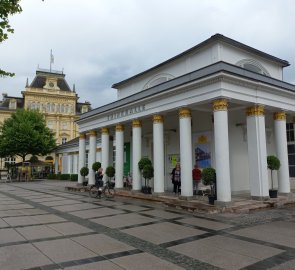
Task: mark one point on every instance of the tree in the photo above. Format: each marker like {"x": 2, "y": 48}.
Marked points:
{"x": 25, "y": 133}
{"x": 7, "y": 7}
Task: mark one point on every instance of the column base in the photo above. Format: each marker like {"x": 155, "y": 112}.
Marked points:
{"x": 286, "y": 194}
{"x": 120, "y": 188}
{"x": 185, "y": 198}
{"x": 135, "y": 191}
{"x": 223, "y": 204}
{"x": 157, "y": 194}
{"x": 260, "y": 198}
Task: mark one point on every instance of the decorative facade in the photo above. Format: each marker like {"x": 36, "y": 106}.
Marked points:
{"x": 220, "y": 104}
{"x": 49, "y": 93}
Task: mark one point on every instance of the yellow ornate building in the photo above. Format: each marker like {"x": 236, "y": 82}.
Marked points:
{"x": 49, "y": 93}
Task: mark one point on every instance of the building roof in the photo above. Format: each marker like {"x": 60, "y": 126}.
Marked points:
{"x": 189, "y": 77}
{"x": 212, "y": 39}
{"x": 41, "y": 75}
{"x": 4, "y": 104}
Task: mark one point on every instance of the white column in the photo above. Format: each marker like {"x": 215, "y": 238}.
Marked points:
{"x": 82, "y": 156}
{"x": 158, "y": 146}
{"x": 136, "y": 154}
{"x": 221, "y": 151}
{"x": 257, "y": 152}
{"x": 91, "y": 157}
{"x": 56, "y": 164}
{"x": 69, "y": 164}
{"x": 186, "y": 161}
{"x": 105, "y": 144}
{"x": 119, "y": 156}
{"x": 282, "y": 153}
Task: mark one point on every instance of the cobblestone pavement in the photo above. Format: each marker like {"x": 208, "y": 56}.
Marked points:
{"x": 44, "y": 227}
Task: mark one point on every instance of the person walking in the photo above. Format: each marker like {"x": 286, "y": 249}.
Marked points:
{"x": 176, "y": 178}
{"x": 197, "y": 175}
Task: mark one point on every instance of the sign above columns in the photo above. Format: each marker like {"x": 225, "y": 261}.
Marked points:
{"x": 126, "y": 112}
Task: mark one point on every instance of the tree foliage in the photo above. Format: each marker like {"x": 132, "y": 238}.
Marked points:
{"x": 7, "y": 8}
{"x": 110, "y": 171}
{"x": 24, "y": 133}
{"x": 148, "y": 171}
{"x": 84, "y": 171}
{"x": 143, "y": 162}
{"x": 274, "y": 164}
{"x": 96, "y": 166}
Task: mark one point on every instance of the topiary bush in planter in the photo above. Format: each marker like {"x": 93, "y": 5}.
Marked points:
{"x": 147, "y": 173}
{"x": 96, "y": 166}
{"x": 141, "y": 164}
{"x": 110, "y": 172}
{"x": 274, "y": 164}
{"x": 209, "y": 179}
{"x": 84, "y": 172}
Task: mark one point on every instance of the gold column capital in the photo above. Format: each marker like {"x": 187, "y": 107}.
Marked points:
{"x": 82, "y": 135}
{"x": 104, "y": 131}
{"x": 119, "y": 127}
{"x": 92, "y": 133}
{"x": 279, "y": 116}
{"x": 158, "y": 118}
{"x": 256, "y": 110}
{"x": 220, "y": 105}
{"x": 136, "y": 123}
{"x": 184, "y": 113}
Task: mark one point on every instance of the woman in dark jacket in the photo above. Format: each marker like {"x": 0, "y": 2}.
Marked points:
{"x": 176, "y": 178}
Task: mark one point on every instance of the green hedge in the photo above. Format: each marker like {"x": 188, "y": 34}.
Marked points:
{"x": 74, "y": 177}
{"x": 65, "y": 176}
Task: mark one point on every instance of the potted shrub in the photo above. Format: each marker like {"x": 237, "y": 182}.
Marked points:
{"x": 273, "y": 163}
{"x": 84, "y": 172}
{"x": 96, "y": 166}
{"x": 147, "y": 173}
{"x": 110, "y": 172}
{"x": 141, "y": 164}
{"x": 209, "y": 179}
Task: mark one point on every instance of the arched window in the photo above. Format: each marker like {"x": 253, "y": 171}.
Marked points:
{"x": 160, "y": 78}
{"x": 253, "y": 65}
{"x": 53, "y": 107}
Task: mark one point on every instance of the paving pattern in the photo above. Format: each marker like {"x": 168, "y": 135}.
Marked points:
{"x": 44, "y": 227}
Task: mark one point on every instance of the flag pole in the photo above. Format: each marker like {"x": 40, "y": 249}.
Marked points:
{"x": 50, "y": 59}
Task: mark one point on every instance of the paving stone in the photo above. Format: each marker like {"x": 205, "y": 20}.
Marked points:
{"x": 69, "y": 228}
{"x": 75, "y": 207}
{"x": 163, "y": 232}
{"x": 9, "y": 236}
{"x": 21, "y": 256}
{"x": 63, "y": 250}
{"x": 144, "y": 261}
{"x": 208, "y": 224}
{"x": 122, "y": 220}
{"x": 102, "y": 244}
{"x": 103, "y": 265}
{"x": 37, "y": 232}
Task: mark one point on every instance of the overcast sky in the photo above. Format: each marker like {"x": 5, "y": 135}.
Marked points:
{"x": 101, "y": 42}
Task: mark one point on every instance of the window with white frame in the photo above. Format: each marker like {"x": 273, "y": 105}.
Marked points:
{"x": 291, "y": 148}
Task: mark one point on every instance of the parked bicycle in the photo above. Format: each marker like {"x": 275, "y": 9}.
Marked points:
{"x": 100, "y": 191}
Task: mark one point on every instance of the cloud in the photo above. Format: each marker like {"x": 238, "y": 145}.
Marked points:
{"x": 99, "y": 43}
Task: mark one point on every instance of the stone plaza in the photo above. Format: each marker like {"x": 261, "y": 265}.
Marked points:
{"x": 45, "y": 227}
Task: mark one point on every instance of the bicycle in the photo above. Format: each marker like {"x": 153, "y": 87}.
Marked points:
{"x": 97, "y": 191}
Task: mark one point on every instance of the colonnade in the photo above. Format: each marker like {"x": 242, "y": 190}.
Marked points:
{"x": 256, "y": 151}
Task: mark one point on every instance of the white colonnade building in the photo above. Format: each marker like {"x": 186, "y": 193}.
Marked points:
{"x": 220, "y": 104}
